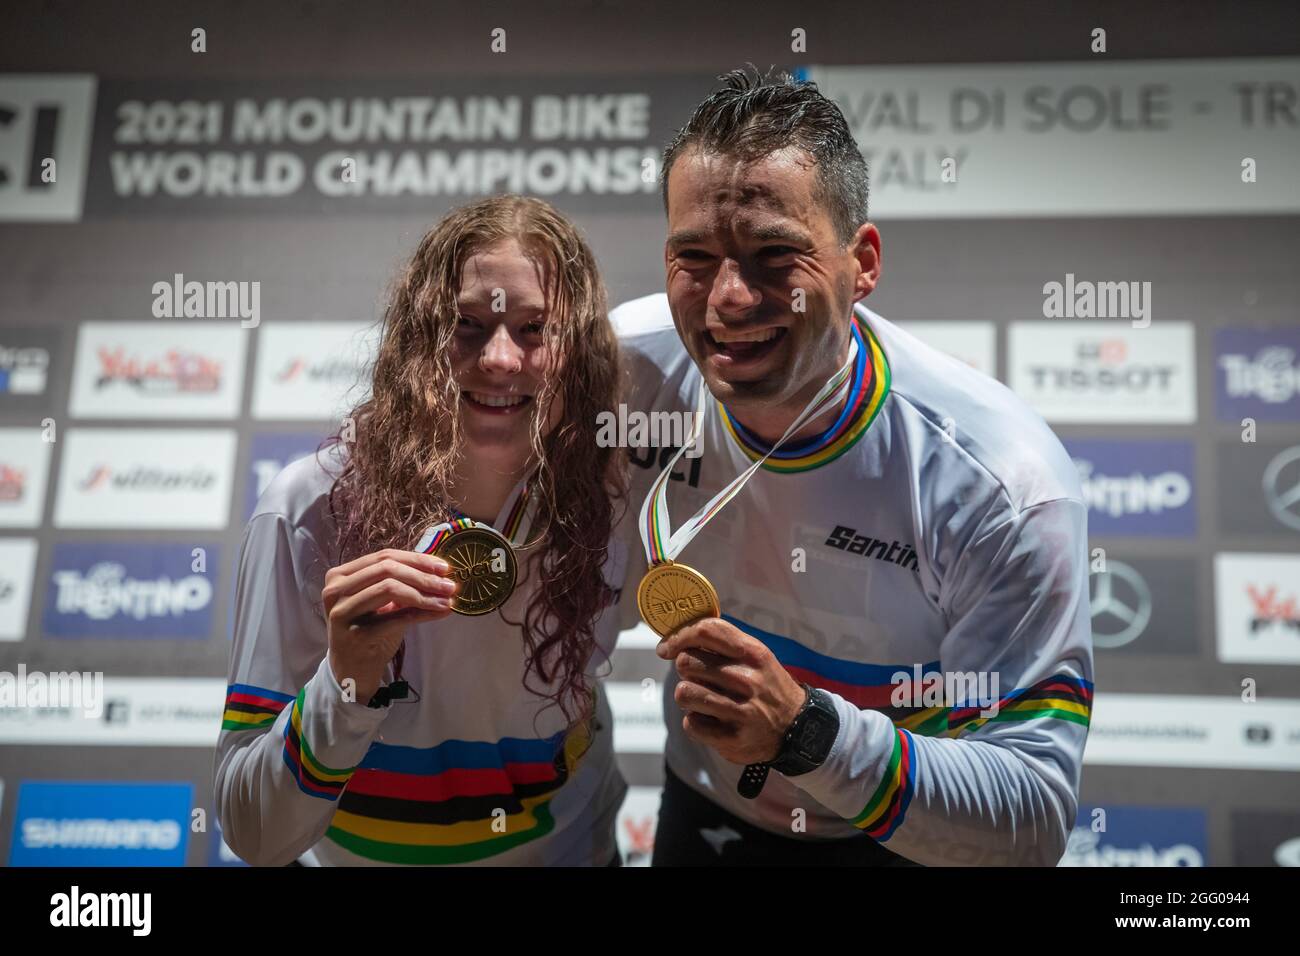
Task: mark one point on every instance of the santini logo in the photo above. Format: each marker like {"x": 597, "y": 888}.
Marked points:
{"x": 103, "y": 909}
{"x": 848, "y": 539}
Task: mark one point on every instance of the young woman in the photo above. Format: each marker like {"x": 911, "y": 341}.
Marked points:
{"x": 375, "y": 714}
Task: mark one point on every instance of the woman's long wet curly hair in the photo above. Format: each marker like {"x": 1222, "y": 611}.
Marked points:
{"x": 407, "y": 437}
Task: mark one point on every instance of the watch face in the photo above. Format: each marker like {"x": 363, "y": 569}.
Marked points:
{"x": 816, "y": 737}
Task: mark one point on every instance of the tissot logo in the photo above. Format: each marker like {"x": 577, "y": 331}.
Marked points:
{"x": 1108, "y": 372}
{"x": 894, "y": 552}
{"x": 1103, "y": 366}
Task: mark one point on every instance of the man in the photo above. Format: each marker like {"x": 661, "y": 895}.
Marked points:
{"x": 904, "y": 635}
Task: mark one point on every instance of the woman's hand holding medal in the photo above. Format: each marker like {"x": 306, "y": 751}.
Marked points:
{"x": 369, "y": 604}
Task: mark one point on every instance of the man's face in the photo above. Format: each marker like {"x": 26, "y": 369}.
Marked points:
{"x": 499, "y": 358}
{"x": 748, "y": 246}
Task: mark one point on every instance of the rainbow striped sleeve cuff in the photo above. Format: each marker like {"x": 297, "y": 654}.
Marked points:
{"x": 885, "y": 810}
{"x": 313, "y": 777}
{"x": 252, "y": 708}
{"x": 1059, "y": 696}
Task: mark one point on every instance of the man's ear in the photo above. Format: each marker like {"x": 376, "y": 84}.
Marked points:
{"x": 865, "y": 248}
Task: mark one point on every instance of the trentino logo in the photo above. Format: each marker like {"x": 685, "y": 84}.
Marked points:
{"x": 129, "y": 589}
{"x": 1136, "y": 487}
{"x": 1136, "y": 836}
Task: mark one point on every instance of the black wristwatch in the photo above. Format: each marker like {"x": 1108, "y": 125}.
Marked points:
{"x": 810, "y": 736}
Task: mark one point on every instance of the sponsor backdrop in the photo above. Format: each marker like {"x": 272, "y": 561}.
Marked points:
{"x": 189, "y": 303}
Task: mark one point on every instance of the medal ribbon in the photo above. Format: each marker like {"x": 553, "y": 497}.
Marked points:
{"x": 661, "y": 543}
{"x": 510, "y": 530}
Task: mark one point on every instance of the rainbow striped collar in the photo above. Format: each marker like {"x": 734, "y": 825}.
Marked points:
{"x": 867, "y": 391}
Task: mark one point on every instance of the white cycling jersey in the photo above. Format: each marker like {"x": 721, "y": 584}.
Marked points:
{"x": 477, "y": 770}
{"x": 925, "y": 561}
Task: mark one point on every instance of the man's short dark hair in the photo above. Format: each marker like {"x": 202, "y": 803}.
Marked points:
{"x": 754, "y": 115}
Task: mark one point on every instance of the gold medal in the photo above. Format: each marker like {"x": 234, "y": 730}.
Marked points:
{"x": 484, "y": 563}
{"x": 672, "y": 595}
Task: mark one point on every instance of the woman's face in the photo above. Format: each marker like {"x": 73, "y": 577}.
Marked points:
{"x": 499, "y": 355}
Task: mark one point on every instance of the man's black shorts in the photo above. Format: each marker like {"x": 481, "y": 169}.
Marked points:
{"x": 695, "y": 831}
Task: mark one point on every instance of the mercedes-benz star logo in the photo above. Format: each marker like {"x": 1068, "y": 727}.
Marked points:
{"x": 1121, "y": 605}
{"x": 1282, "y": 492}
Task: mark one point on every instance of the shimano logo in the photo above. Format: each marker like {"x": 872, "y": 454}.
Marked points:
{"x": 848, "y": 539}
{"x": 1085, "y": 849}
{"x": 1272, "y": 376}
{"x": 105, "y": 591}
{"x": 1119, "y": 495}
{"x": 89, "y": 833}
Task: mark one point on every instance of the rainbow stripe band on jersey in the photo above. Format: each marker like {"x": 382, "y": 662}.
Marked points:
{"x": 252, "y": 708}
{"x": 867, "y": 393}
{"x": 662, "y": 543}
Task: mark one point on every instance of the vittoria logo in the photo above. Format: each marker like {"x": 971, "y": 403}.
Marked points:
{"x": 143, "y": 478}
{"x": 334, "y": 371}
{"x": 175, "y": 370}
{"x": 848, "y": 539}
